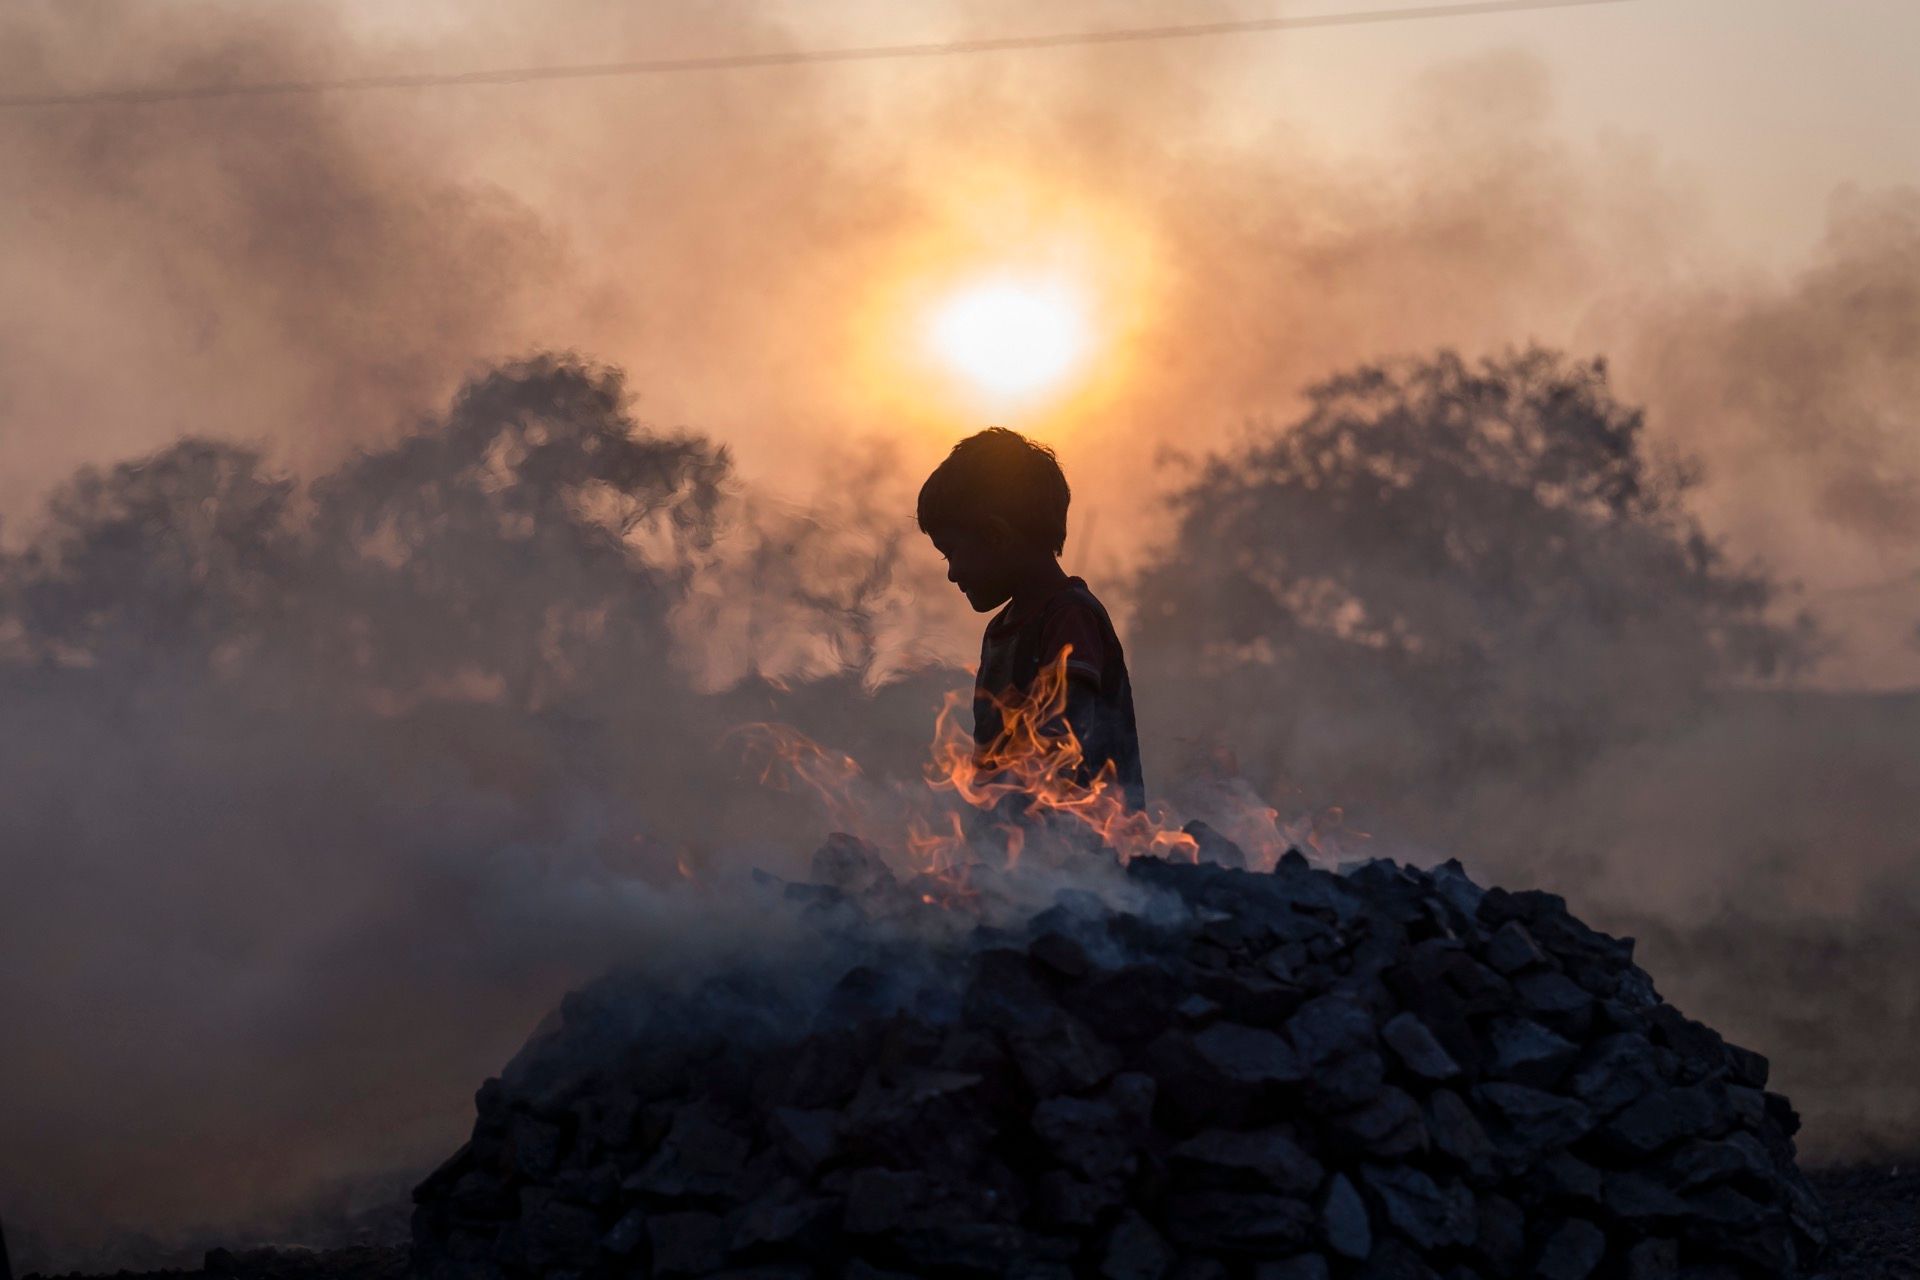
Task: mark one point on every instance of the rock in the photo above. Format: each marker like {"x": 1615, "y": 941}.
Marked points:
{"x": 1005, "y": 995}
{"x": 1335, "y": 1037}
{"x": 1062, "y": 1200}
{"x": 1302, "y": 1266}
{"x": 1532, "y": 1122}
{"x": 1527, "y": 1053}
{"x": 1430, "y": 1215}
{"x": 882, "y": 1200}
{"x": 556, "y": 1234}
{"x": 1702, "y": 1162}
{"x": 1451, "y": 881}
{"x": 1618, "y": 1070}
{"x": 1343, "y": 1220}
{"x": 1253, "y": 998}
{"x": 687, "y": 1244}
{"x": 1248, "y": 1055}
{"x": 626, "y": 1234}
{"x": 1653, "y": 1259}
{"x": 1199, "y": 1269}
{"x": 1564, "y": 1177}
{"x": 700, "y": 1156}
{"x": 1294, "y": 1076}
{"x": 1039, "y": 1269}
{"x": 859, "y": 1269}
{"x": 1396, "y": 1260}
{"x": 985, "y": 1249}
{"x": 1636, "y": 1198}
{"x": 918, "y": 1114}
{"x": 1481, "y": 990}
{"x": 1502, "y": 1236}
{"x": 1061, "y": 954}
{"x": 1190, "y": 1092}
{"x": 1196, "y": 1010}
{"x": 1728, "y": 1209}
{"x": 1130, "y": 1004}
{"x": 1086, "y": 1136}
{"x": 806, "y": 1137}
{"x": 1747, "y": 1067}
{"x": 1573, "y": 1252}
{"x": 481, "y": 1196}
{"x": 1512, "y": 949}
{"x": 1136, "y": 1251}
{"x": 1690, "y": 1039}
{"x": 1459, "y": 1135}
{"x": 1414, "y": 1045}
{"x": 849, "y": 864}
{"x": 1659, "y": 1119}
{"x": 1132, "y": 1094}
{"x": 1770, "y": 1247}
{"x": 1260, "y": 1158}
{"x": 1388, "y": 1128}
{"x": 1781, "y": 1112}
{"x": 1554, "y": 1000}
{"x": 1238, "y": 1222}
{"x": 785, "y": 1219}
{"x": 533, "y": 1147}
{"x": 1065, "y": 1057}
{"x": 823, "y": 1072}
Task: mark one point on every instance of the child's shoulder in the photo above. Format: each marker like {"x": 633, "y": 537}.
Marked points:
{"x": 1077, "y": 595}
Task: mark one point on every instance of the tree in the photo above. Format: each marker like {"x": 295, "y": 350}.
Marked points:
{"x": 1443, "y": 568}
{"x": 501, "y": 542}
{"x": 178, "y": 558}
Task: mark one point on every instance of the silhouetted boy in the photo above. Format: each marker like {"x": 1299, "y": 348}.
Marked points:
{"x": 997, "y": 510}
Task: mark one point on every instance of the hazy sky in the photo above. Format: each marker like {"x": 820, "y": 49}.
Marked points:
{"x": 1767, "y": 105}
{"x": 1658, "y": 181}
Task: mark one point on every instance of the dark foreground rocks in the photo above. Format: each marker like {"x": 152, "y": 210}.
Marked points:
{"x": 1200, "y": 1072}
{"x": 281, "y": 1262}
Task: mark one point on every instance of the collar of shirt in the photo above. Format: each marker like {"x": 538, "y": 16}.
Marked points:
{"x": 1007, "y": 620}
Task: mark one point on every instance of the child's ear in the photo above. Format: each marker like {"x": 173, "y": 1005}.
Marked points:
{"x": 1001, "y": 534}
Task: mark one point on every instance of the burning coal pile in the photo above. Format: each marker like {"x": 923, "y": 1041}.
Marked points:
{"x": 1175, "y": 1069}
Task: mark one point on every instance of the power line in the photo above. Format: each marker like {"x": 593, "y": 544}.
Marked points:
{"x": 786, "y": 58}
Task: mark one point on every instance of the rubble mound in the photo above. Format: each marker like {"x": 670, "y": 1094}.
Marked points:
{"x": 1301, "y": 1074}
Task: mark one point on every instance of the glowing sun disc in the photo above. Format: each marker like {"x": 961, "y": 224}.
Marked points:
{"x": 1010, "y": 337}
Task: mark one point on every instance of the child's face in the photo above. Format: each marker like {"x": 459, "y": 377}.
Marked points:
{"x": 977, "y": 563}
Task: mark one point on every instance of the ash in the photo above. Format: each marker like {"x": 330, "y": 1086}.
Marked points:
{"x": 1196, "y": 1072}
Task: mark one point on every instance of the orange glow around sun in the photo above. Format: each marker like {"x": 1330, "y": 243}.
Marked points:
{"x": 1015, "y": 302}
{"x": 1012, "y": 337}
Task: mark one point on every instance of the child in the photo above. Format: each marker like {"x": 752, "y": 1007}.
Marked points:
{"x": 996, "y": 509}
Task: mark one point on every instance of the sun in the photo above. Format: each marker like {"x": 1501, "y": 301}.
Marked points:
{"x": 1011, "y": 338}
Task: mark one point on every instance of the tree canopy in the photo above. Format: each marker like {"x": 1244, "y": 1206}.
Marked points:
{"x": 1443, "y": 565}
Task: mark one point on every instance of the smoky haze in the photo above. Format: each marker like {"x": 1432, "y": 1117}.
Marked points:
{"x": 366, "y": 676}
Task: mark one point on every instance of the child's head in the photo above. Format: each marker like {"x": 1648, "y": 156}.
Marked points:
{"x": 995, "y": 508}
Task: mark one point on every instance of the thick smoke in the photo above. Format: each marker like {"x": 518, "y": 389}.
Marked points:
{"x": 346, "y": 729}
{"x": 1464, "y": 600}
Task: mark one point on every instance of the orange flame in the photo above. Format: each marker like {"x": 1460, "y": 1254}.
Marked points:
{"x": 1034, "y": 773}
{"x": 787, "y": 754}
{"x": 1033, "y": 776}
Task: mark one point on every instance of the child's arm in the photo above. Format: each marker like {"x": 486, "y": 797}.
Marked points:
{"x": 1079, "y": 634}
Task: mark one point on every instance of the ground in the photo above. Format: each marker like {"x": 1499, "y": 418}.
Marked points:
{"x": 1875, "y": 1210}
{"x": 1876, "y": 1219}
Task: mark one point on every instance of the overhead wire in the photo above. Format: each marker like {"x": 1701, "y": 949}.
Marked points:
{"x": 161, "y": 94}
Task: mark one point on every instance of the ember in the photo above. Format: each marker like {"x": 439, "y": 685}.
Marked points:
{"x": 1197, "y": 1071}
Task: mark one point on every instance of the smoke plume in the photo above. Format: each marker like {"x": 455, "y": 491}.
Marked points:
{"x": 366, "y": 678}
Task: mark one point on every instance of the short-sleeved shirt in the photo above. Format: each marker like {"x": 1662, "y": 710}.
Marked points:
{"x": 1018, "y": 645}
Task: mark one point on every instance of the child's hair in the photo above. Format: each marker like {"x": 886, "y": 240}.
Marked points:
{"x": 998, "y": 472}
